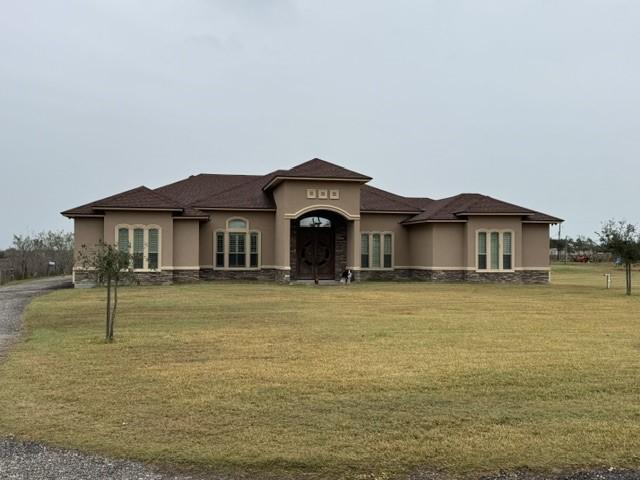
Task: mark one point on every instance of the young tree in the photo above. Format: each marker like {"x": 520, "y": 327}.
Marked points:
{"x": 111, "y": 267}
{"x": 623, "y": 240}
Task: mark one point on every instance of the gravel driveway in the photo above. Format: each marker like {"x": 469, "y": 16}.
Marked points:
{"x": 33, "y": 461}
{"x": 14, "y": 298}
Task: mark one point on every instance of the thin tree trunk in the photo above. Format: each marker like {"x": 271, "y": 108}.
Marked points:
{"x": 108, "y": 307}
{"x": 628, "y": 268}
{"x": 115, "y": 306}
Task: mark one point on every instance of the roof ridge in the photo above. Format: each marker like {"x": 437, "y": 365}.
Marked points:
{"x": 447, "y": 201}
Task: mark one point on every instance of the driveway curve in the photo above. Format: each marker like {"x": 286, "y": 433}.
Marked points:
{"x": 33, "y": 461}
{"x": 13, "y": 300}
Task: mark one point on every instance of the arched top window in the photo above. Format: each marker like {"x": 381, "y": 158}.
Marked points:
{"x": 315, "y": 222}
{"x": 237, "y": 223}
{"x": 237, "y": 247}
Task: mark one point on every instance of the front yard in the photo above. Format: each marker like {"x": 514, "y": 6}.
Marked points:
{"x": 378, "y": 378}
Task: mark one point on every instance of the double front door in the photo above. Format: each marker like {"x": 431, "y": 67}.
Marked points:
{"x": 316, "y": 253}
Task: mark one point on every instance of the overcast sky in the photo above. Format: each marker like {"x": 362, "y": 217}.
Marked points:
{"x": 534, "y": 102}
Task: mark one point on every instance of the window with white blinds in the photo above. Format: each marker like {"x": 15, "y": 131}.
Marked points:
{"x": 123, "y": 239}
{"x": 142, "y": 243}
{"x": 506, "y": 250}
{"x": 153, "y": 248}
{"x": 237, "y": 247}
{"x": 494, "y": 250}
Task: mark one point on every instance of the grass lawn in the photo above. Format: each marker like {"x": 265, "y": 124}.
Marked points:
{"x": 371, "y": 380}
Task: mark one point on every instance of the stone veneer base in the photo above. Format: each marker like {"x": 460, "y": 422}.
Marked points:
{"x": 168, "y": 277}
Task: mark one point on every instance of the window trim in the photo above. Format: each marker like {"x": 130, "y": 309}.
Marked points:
{"x": 500, "y": 232}
{"x": 382, "y": 233}
{"x": 145, "y": 243}
{"x": 247, "y": 231}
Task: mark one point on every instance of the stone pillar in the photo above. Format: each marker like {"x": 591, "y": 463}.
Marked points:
{"x": 353, "y": 245}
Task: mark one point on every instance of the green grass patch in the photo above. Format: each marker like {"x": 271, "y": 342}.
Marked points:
{"x": 371, "y": 379}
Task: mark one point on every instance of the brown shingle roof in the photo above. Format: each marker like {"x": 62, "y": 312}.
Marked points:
{"x": 420, "y": 202}
{"x": 211, "y": 191}
{"x": 136, "y": 198}
{"x": 459, "y": 206}
{"x": 248, "y": 195}
{"x": 315, "y": 168}
{"x": 196, "y": 187}
{"x": 374, "y": 199}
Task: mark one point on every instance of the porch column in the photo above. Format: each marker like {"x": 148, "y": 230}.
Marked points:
{"x": 282, "y": 247}
{"x": 353, "y": 245}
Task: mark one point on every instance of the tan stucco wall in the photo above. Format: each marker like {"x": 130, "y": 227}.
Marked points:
{"x": 434, "y": 245}
{"x": 164, "y": 220}
{"x": 261, "y": 221}
{"x": 186, "y": 243}
{"x": 449, "y": 245}
{"x": 291, "y": 201}
{"x": 476, "y": 223}
{"x": 291, "y": 196}
{"x": 535, "y": 245}
{"x": 421, "y": 244}
{"x": 87, "y": 231}
{"x": 388, "y": 222}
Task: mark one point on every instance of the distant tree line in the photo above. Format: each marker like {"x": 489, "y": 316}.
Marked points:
{"x": 45, "y": 253}
{"x": 580, "y": 249}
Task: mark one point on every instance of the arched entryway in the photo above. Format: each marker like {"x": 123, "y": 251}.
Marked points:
{"x": 318, "y": 246}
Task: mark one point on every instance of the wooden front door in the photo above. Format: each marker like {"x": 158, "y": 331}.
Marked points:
{"x": 316, "y": 253}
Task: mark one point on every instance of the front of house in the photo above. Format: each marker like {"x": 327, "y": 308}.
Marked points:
{"x": 313, "y": 221}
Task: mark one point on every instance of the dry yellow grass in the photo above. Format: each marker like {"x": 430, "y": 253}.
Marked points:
{"x": 337, "y": 382}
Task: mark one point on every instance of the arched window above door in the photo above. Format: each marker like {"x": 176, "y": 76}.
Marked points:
{"x": 315, "y": 221}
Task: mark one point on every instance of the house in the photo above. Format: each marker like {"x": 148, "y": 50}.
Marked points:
{"x": 313, "y": 221}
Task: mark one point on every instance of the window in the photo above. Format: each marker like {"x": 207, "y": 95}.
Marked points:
{"x": 237, "y": 223}
{"x": 364, "y": 251}
{"x": 253, "y": 250}
{"x": 376, "y": 250}
{"x": 138, "y": 248}
{"x": 387, "y": 250}
{"x": 236, "y": 247}
{"x": 123, "y": 239}
{"x": 506, "y": 250}
{"x": 142, "y": 243}
{"x": 482, "y": 250}
{"x": 220, "y": 249}
{"x": 153, "y": 249}
{"x": 494, "y": 250}
{"x": 309, "y": 222}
